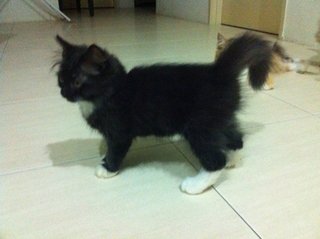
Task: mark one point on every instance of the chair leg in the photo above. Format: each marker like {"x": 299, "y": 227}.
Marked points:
{"x": 78, "y": 4}
{"x": 90, "y": 5}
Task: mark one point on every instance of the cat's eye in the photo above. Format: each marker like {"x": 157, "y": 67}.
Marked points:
{"x": 77, "y": 83}
{"x": 60, "y": 79}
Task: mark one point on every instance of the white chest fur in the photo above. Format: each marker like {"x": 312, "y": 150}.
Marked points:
{"x": 86, "y": 108}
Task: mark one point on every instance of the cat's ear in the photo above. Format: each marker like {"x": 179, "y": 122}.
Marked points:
{"x": 221, "y": 41}
{"x": 66, "y": 46}
{"x": 94, "y": 59}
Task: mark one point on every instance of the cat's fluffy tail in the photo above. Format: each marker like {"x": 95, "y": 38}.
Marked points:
{"x": 245, "y": 51}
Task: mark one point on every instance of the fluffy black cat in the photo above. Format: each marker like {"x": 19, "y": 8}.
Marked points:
{"x": 197, "y": 101}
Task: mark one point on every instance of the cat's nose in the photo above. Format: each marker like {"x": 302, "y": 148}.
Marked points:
{"x": 63, "y": 92}
{"x": 68, "y": 95}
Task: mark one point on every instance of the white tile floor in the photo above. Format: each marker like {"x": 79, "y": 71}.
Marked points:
{"x": 47, "y": 153}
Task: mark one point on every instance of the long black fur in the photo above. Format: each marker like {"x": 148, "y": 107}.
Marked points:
{"x": 196, "y": 101}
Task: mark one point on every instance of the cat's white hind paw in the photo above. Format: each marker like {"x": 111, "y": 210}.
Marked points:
{"x": 267, "y": 87}
{"x": 191, "y": 186}
{"x": 199, "y": 183}
{"x": 102, "y": 172}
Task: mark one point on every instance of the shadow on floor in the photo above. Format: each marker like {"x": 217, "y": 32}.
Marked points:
{"x": 162, "y": 157}
{"x": 89, "y": 153}
{"x": 75, "y": 150}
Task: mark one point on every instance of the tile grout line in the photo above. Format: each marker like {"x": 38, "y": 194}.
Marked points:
{"x": 282, "y": 121}
{"x": 221, "y": 196}
{"x": 283, "y": 101}
{"x": 28, "y": 100}
{"x": 73, "y": 161}
{"x": 185, "y": 156}
{"x": 44, "y": 167}
{"x": 252, "y": 229}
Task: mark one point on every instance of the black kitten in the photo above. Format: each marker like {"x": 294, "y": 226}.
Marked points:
{"x": 196, "y": 101}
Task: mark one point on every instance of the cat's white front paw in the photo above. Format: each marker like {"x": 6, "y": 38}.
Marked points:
{"x": 293, "y": 66}
{"x": 233, "y": 158}
{"x": 102, "y": 172}
{"x": 175, "y": 138}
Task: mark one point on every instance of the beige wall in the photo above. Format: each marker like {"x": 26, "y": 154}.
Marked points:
{"x": 34, "y": 10}
{"x": 301, "y": 21}
{"x": 194, "y": 10}
{"x": 215, "y": 12}
{"x": 29, "y": 10}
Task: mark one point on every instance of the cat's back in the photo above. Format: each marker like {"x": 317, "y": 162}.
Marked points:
{"x": 182, "y": 74}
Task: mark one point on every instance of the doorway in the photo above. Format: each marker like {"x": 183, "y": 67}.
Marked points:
{"x": 71, "y": 4}
{"x": 146, "y": 4}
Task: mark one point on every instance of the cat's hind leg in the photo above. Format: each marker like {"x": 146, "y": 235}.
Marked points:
{"x": 234, "y": 145}
{"x": 206, "y": 146}
{"x": 269, "y": 84}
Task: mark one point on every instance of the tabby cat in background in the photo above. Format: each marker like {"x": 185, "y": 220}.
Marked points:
{"x": 280, "y": 61}
{"x": 315, "y": 59}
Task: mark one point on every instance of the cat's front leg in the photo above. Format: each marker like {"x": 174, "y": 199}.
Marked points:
{"x": 117, "y": 150}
